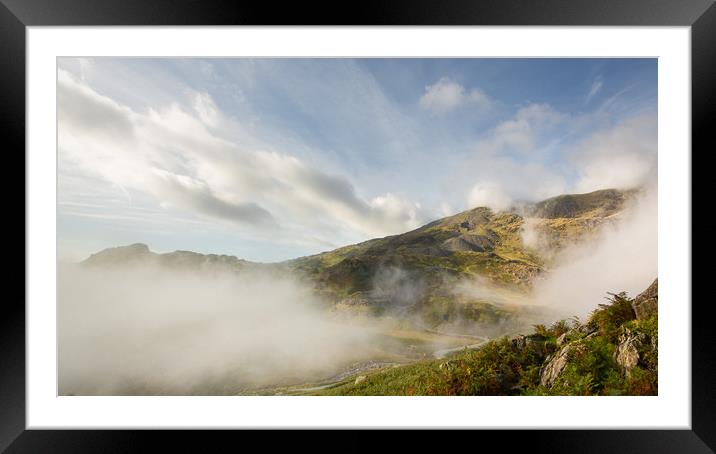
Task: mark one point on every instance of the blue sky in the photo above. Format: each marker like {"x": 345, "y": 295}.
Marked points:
{"x": 269, "y": 159}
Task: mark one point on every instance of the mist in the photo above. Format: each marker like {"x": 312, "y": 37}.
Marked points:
{"x": 621, "y": 256}
{"x": 149, "y": 330}
{"x": 398, "y": 285}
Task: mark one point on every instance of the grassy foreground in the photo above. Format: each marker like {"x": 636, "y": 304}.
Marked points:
{"x": 613, "y": 353}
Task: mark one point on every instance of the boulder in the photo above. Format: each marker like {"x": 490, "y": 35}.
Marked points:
{"x": 360, "y": 379}
{"x": 555, "y": 366}
{"x": 646, "y": 303}
{"x": 562, "y": 339}
{"x": 627, "y": 351}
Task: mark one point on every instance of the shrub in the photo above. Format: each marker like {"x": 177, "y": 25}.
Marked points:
{"x": 591, "y": 364}
{"x": 609, "y": 317}
{"x": 641, "y": 382}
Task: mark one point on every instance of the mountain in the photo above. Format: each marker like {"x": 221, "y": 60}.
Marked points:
{"x": 477, "y": 242}
{"x": 417, "y": 273}
{"x": 506, "y": 250}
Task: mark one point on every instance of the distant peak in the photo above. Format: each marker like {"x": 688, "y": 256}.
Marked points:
{"x": 120, "y": 254}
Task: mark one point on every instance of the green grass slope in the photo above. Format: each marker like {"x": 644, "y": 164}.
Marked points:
{"x": 613, "y": 353}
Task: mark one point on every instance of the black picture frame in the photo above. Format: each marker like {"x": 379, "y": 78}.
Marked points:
{"x": 16, "y": 15}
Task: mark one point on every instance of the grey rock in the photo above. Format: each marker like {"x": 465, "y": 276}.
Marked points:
{"x": 555, "y": 366}
{"x": 627, "y": 351}
{"x": 562, "y": 339}
{"x": 646, "y": 303}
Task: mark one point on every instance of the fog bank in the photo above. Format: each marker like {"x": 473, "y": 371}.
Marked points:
{"x": 152, "y": 331}
{"x": 623, "y": 256}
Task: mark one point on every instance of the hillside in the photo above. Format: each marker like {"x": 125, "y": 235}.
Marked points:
{"x": 418, "y": 271}
{"x": 565, "y": 219}
{"x": 475, "y": 242}
{"x": 615, "y": 352}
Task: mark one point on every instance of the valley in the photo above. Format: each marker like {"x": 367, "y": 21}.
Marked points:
{"x": 434, "y": 300}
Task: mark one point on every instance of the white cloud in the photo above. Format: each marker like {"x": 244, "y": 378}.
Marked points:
{"x": 170, "y": 154}
{"x": 496, "y": 177}
{"x": 521, "y": 132}
{"x": 622, "y": 157}
{"x": 489, "y": 195}
{"x": 497, "y": 181}
{"x": 446, "y": 95}
{"x": 397, "y": 210}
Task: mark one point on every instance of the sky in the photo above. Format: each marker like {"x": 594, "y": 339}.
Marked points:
{"x": 271, "y": 159}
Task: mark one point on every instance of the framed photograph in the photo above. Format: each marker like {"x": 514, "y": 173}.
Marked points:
{"x": 416, "y": 217}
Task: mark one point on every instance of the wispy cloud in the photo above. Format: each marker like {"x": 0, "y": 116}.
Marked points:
{"x": 172, "y": 154}
{"x": 594, "y": 89}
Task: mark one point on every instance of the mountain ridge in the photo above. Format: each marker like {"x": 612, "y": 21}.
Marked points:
{"x": 416, "y": 273}
{"x": 609, "y": 201}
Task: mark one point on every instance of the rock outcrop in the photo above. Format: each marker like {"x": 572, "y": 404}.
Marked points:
{"x": 646, "y": 303}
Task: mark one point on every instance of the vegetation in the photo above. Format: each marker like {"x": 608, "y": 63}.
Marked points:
{"x": 516, "y": 366}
